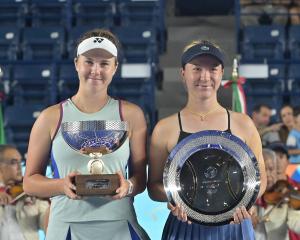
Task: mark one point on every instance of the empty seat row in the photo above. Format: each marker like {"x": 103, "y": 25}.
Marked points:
{"x": 271, "y": 84}
{"x": 139, "y": 44}
{"x": 272, "y": 42}
{"x": 71, "y": 13}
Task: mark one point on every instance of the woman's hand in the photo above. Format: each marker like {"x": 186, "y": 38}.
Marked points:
{"x": 69, "y": 188}
{"x": 123, "y": 189}
{"x": 240, "y": 214}
{"x": 5, "y": 198}
{"x": 178, "y": 212}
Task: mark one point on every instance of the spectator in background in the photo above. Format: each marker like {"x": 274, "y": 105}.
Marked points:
{"x": 261, "y": 116}
{"x": 264, "y": 12}
{"x": 294, "y": 11}
{"x": 282, "y": 159}
{"x": 293, "y": 141}
{"x": 272, "y": 222}
{"x": 22, "y": 219}
{"x": 287, "y": 118}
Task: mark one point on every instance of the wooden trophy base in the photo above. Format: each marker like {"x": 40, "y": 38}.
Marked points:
{"x": 97, "y": 184}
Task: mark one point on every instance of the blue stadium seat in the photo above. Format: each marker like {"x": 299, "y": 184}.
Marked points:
{"x": 294, "y": 84}
{"x": 138, "y": 44}
{"x": 68, "y": 81}
{"x": 49, "y": 13}
{"x": 139, "y": 12}
{"x": 263, "y": 42}
{"x": 145, "y": 13}
{"x": 33, "y": 84}
{"x": 274, "y": 84}
{"x": 294, "y": 71}
{"x": 137, "y": 87}
{"x": 43, "y": 43}
{"x": 9, "y": 43}
{"x": 94, "y": 13}
{"x": 13, "y": 12}
{"x": 273, "y": 100}
{"x": 18, "y": 121}
{"x": 294, "y": 42}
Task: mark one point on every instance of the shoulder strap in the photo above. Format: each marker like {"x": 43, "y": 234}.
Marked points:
{"x": 179, "y": 121}
{"x": 228, "y": 116}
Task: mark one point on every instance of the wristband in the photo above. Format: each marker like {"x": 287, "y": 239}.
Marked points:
{"x": 130, "y": 189}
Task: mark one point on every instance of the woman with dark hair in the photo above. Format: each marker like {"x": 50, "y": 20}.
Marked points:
{"x": 71, "y": 216}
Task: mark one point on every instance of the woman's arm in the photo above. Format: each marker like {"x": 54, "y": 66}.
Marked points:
{"x": 254, "y": 142}
{"x": 158, "y": 156}
{"x": 35, "y": 183}
{"x": 137, "y": 137}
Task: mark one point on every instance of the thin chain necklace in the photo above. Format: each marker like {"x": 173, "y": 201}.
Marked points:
{"x": 203, "y": 115}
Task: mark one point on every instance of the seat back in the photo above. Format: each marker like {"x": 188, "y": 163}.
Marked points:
{"x": 43, "y": 43}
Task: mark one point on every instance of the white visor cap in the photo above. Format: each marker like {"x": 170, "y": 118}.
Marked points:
{"x": 97, "y": 42}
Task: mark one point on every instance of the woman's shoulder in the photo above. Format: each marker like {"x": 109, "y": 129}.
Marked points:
{"x": 131, "y": 110}
{"x": 241, "y": 118}
{"x": 50, "y": 114}
{"x": 168, "y": 123}
{"x": 242, "y": 125}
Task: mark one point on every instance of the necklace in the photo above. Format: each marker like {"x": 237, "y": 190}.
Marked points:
{"x": 203, "y": 115}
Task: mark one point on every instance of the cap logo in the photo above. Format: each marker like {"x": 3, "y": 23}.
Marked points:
{"x": 98, "y": 40}
{"x": 205, "y": 48}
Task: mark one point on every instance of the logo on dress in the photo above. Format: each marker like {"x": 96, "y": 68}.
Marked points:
{"x": 98, "y": 40}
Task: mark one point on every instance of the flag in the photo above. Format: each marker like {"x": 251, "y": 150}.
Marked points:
{"x": 2, "y": 133}
{"x": 238, "y": 94}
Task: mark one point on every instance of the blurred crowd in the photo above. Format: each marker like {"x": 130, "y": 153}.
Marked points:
{"x": 277, "y": 213}
{"x": 270, "y": 12}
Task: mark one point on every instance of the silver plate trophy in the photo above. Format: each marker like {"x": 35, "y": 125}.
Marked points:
{"x": 209, "y": 174}
{"x": 95, "y": 138}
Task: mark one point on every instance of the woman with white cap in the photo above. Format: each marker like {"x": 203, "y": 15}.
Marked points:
{"x": 71, "y": 216}
{"x": 202, "y": 70}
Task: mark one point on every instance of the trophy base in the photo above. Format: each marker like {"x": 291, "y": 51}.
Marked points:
{"x": 97, "y": 184}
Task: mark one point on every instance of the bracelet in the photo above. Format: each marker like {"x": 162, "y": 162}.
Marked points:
{"x": 130, "y": 189}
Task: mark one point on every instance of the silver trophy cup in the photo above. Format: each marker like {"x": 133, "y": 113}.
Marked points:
{"x": 95, "y": 138}
{"x": 209, "y": 174}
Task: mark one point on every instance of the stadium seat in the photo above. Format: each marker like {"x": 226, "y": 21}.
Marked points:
{"x": 263, "y": 42}
{"x": 18, "y": 121}
{"x": 275, "y": 101}
{"x": 294, "y": 83}
{"x": 145, "y": 13}
{"x": 33, "y": 84}
{"x": 13, "y": 13}
{"x": 294, "y": 42}
{"x": 43, "y": 43}
{"x": 293, "y": 71}
{"x": 49, "y": 13}
{"x": 9, "y": 43}
{"x": 68, "y": 81}
{"x": 273, "y": 84}
{"x": 94, "y": 13}
{"x": 138, "y": 44}
{"x": 135, "y": 83}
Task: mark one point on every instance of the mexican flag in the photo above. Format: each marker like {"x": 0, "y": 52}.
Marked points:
{"x": 238, "y": 94}
{"x": 2, "y": 133}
